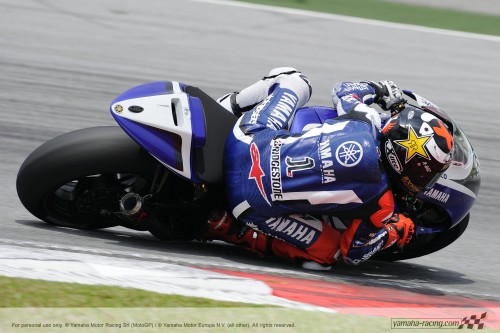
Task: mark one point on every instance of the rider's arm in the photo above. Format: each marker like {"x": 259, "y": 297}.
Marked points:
{"x": 378, "y": 228}
{"x": 349, "y": 96}
{"x": 357, "y": 96}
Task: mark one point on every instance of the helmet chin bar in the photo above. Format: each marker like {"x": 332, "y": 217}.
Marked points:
{"x": 412, "y": 203}
{"x": 408, "y": 202}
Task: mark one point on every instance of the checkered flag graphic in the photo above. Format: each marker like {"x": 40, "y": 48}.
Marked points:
{"x": 474, "y": 320}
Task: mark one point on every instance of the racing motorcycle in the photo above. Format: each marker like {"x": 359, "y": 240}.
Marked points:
{"x": 164, "y": 162}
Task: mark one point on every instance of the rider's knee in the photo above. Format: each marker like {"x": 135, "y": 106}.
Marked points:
{"x": 326, "y": 249}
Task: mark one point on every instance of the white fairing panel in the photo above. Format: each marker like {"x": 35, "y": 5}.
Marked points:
{"x": 168, "y": 112}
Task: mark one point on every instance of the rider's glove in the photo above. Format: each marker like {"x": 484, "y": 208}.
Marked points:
{"x": 400, "y": 229}
{"x": 387, "y": 93}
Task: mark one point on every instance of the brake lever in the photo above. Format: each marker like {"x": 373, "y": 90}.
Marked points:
{"x": 398, "y": 107}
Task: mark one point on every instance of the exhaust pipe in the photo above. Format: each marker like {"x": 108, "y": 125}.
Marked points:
{"x": 131, "y": 204}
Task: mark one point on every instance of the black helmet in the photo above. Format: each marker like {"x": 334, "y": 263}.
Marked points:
{"x": 416, "y": 148}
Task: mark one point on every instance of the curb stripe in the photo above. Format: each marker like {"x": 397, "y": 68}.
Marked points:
{"x": 374, "y": 301}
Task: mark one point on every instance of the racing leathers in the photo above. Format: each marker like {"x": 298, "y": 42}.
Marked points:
{"x": 281, "y": 183}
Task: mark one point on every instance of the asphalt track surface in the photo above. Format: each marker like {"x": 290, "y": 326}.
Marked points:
{"x": 62, "y": 62}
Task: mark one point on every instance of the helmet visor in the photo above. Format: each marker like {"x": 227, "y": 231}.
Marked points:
{"x": 423, "y": 177}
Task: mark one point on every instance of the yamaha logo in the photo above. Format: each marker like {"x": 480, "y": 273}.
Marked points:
{"x": 118, "y": 108}
{"x": 349, "y": 153}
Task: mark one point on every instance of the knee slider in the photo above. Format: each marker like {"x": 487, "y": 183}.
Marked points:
{"x": 326, "y": 247}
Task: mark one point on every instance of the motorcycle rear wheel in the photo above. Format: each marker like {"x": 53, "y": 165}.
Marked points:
{"x": 76, "y": 179}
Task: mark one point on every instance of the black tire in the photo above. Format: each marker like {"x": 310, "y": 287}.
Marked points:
{"x": 425, "y": 244}
{"x": 76, "y": 179}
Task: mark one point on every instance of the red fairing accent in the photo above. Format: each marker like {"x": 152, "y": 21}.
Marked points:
{"x": 388, "y": 126}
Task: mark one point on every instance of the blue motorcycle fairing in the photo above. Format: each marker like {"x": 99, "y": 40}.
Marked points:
{"x": 164, "y": 120}
{"x": 311, "y": 116}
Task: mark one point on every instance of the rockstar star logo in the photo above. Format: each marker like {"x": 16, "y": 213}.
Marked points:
{"x": 414, "y": 145}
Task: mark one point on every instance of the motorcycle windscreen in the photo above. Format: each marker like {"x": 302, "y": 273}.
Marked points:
{"x": 457, "y": 189}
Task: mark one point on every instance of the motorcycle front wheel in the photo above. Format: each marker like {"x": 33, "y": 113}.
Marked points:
{"x": 425, "y": 244}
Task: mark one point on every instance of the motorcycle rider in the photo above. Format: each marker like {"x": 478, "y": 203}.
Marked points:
{"x": 278, "y": 183}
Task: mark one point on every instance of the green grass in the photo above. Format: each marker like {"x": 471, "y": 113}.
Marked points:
{"x": 41, "y": 306}
{"x": 400, "y": 13}
{"x": 17, "y": 292}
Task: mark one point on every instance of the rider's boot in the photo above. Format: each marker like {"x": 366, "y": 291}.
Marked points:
{"x": 222, "y": 226}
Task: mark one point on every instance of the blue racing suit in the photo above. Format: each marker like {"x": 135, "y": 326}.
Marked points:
{"x": 279, "y": 182}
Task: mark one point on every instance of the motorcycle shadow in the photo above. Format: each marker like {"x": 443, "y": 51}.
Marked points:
{"x": 404, "y": 276}
{"x": 401, "y": 275}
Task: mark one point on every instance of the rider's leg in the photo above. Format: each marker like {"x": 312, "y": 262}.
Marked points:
{"x": 249, "y": 97}
{"x": 319, "y": 244}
